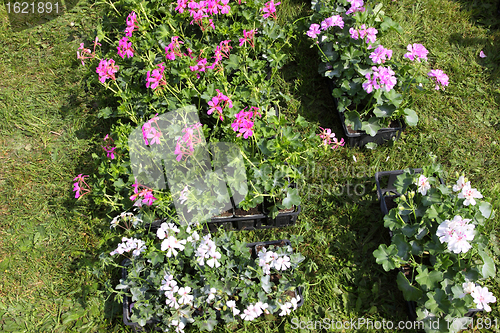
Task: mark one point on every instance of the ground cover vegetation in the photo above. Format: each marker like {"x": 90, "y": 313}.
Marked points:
{"x": 51, "y": 129}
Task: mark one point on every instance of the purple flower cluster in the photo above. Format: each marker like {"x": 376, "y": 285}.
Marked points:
{"x": 91, "y": 55}
{"x": 356, "y": 6}
{"x": 416, "y": 52}
{"x": 369, "y": 33}
{"x": 381, "y": 77}
{"x": 332, "y": 21}
{"x": 244, "y": 122}
{"x": 380, "y": 55}
{"x": 106, "y": 70}
{"x": 440, "y": 78}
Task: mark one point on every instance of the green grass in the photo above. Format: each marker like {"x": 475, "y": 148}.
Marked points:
{"x": 48, "y": 241}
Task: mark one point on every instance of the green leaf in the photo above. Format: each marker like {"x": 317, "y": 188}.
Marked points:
{"x": 352, "y": 118}
{"x": 428, "y": 280}
{"x": 411, "y": 117}
{"x": 410, "y": 293}
{"x": 266, "y": 284}
{"x": 371, "y": 126}
{"x": 292, "y": 198}
{"x": 384, "y": 256}
{"x": 391, "y": 221}
{"x": 485, "y": 208}
{"x": 371, "y": 145}
{"x": 208, "y": 325}
{"x": 438, "y": 302}
{"x": 488, "y": 269}
{"x": 385, "y": 110}
{"x": 233, "y": 61}
{"x": 402, "y": 246}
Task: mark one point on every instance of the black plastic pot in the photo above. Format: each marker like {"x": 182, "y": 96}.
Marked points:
{"x": 127, "y": 304}
{"x": 385, "y": 189}
{"x": 361, "y": 138}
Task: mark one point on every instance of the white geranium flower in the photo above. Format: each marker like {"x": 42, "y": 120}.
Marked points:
{"x": 282, "y": 263}
{"x": 232, "y": 305}
{"x": 286, "y": 309}
{"x": 184, "y": 294}
{"x": 469, "y": 194}
{"x": 423, "y": 184}
{"x": 459, "y": 243}
{"x": 460, "y": 184}
{"x": 482, "y": 297}
{"x": 468, "y": 288}
{"x": 171, "y": 244}
{"x": 214, "y": 257}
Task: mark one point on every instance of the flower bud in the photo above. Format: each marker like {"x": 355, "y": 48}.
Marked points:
{"x": 401, "y": 208}
{"x": 403, "y": 197}
{"x": 456, "y": 174}
{"x": 411, "y": 194}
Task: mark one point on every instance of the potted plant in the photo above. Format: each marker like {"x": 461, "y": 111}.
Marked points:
{"x": 175, "y": 276}
{"x": 371, "y": 87}
{"x": 439, "y": 245}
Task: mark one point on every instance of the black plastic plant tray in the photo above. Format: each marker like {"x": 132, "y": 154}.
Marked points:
{"x": 389, "y": 191}
{"x": 127, "y": 305}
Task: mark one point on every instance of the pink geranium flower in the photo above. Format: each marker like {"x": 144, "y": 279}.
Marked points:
{"x": 131, "y": 24}
{"x": 80, "y": 187}
{"x": 218, "y": 103}
{"x": 416, "y": 51}
{"x": 269, "y": 9}
{"x": 155, "y": 78}
{"x": 106, "y": 70}
{"x": 314, "y": 31}
{"x": 248, "y": 36}
{"x": 380, "y": 55}
{"x": 125, "y": 48}
{"x": 108, "y": 148}
{"x": 244, "y": 122}
{"x": 440, "y": 78}
{"x": 329, "y": 139}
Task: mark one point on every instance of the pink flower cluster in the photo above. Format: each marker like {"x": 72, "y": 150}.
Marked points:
{"x": 131, "y": 24}
{"x": 91, "y": 54}
{"x": 369, "y": 33}
{"x": 332, "y": 21}
{"x": 78, "y": 186}
{"x": 151, "y": 133}
{"x": 108, "y": 148}
{"x": 106, "y": 70}
{"x": 382, "y": 77}
{"x": 416, "y": 51}
{"x": 145, "y": 196}
{"x": 203, "y": 9}
{"x": 329, "y": 138}
{"x": 380, "y": 55}
{"x": 221, "y": 51}
{"x": 125, "y": 48}
{"x": 244, "y": 122}
{"x": 269, "y": 9}
{"x": 356, "y": 6}
{"x": 191, "y": 138}
{"x": 174, "y": 48}
{"x": 218, "y": 103}
{"x": 440, "y": 78}
{"x": 200, "y": 66}
{"x": 313, "y": 31}
{"x": 248, "y": 36}
{"x": 270, "y": 259}
{"x": 155, "y": 78}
